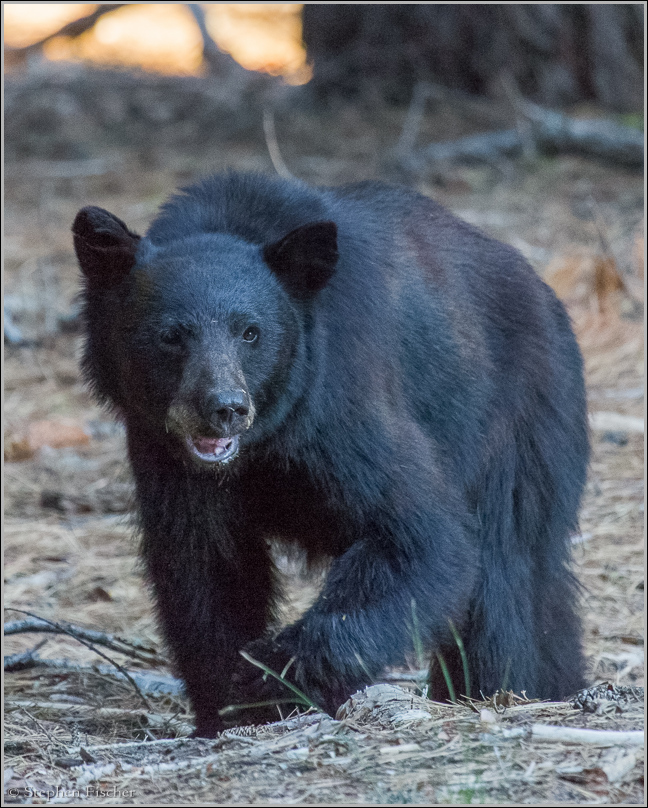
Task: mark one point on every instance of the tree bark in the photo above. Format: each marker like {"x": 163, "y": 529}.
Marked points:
{"x": 557, "y": 53}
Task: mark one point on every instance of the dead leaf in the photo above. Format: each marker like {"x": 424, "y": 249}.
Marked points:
{"x": 57, "y": 434}
{"x": 16, "y": 450}
{"x": 99, "y": 594}
{"x": 586, "y": 277}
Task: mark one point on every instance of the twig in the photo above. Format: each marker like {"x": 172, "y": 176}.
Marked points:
{"x": 39, "y": 624}
{"x": 516, "y": 103}
{"x": 273, "y": 146}
{"x": 39, "y": 726}
{"x": 595, "y": 737}
{"x": 159, "y": 742}
{"x": 412, "y": 122}
{"x": 72, "y": 632}
{"x": 24, "y": 661}
{"x": 155, "y": 769}
{"x": 616, "y": 421}
{"x": 12, "y": 334}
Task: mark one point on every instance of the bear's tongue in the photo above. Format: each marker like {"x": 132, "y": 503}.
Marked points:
{"x": 214, "y": 448}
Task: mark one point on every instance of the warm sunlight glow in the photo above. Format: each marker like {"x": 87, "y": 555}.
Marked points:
{"x": 25, "y": 23}
{"x": 261, "y": 36}
{"x": 157, "y": 37}
{"x": 165, "y": 38}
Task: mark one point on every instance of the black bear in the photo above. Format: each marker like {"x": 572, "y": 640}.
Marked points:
{"x": 358, "y": 371}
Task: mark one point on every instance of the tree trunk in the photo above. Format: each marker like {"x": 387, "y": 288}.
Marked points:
{"x": 556, "y": 53}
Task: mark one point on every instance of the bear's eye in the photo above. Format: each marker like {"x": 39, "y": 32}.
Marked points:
{"x": 251, "y": 334}
{"x": 171, "y": 336}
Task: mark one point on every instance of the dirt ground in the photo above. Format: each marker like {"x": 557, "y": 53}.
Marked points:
{"x": 70, "y": 553}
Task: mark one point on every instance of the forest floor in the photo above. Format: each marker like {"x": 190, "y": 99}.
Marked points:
{"x": 70, "y": 554}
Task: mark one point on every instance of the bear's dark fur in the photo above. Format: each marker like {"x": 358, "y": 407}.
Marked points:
{"x": 358, "y": 371}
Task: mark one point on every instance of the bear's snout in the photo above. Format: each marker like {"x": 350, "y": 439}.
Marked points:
{"x": 210, "y": 424}
{"x": 228, "y": 412}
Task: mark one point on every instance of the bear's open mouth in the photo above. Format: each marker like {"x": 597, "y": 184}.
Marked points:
{"x": 213, "y": 450}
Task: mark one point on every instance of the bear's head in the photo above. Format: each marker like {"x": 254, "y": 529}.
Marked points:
{"x": 200, "y": 341}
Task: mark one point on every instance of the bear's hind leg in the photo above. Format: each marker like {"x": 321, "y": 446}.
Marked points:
{"x": 525, "y": 631}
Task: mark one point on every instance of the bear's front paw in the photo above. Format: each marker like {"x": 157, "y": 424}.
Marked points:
{"x": 252, "y": 685}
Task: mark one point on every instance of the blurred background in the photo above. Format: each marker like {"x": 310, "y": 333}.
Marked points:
{"x": 524, "y": 119}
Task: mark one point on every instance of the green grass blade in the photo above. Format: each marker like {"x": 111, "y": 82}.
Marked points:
{"x": 234, "y": 708}
{"x": 464, "y": 658}
{"x": 446, "y": 676}
{"x": 303, "y": 698}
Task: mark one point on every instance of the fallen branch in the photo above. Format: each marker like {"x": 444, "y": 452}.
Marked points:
{"x": 78, "y": 635}
{"x": 131, "y": 648}
{"x": 151, "y": 684}
{"x": 472, "y": 108}
{"x": 616, "y": 421}
{"x": 23, "y": 661}
{"x": 548, "y": 132}
{"x": 595, "y": 737}
{"x": 120, "y": 746}
{"x": 486, "y": 148}
{"x": 597, "y": 137}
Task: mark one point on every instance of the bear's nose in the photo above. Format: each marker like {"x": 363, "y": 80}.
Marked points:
{"x": 229, "y": 409}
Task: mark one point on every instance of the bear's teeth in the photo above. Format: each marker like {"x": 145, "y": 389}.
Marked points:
{"x": 213, "y": 446}
{"x": 214, "y": 449}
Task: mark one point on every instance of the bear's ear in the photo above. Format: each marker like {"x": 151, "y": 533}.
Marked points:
{"x": 104, "y": 246}
{"x": 305, "y": 259}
